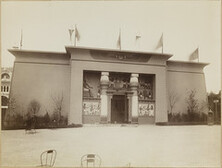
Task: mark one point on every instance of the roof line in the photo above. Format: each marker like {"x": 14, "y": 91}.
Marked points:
{"x": 188, "y": 62}
{"x": 117, "y": 50}
{"x": 36, "y": 51}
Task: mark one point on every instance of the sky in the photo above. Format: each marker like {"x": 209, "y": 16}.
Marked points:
{"x": 185, "y": 25}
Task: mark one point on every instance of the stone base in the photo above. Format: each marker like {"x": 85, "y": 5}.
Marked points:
{"x": 146, "y": 120}
{"x": 91, "y": 119}
{"x": 103, "y": 120}
{"x": 134, "y": 120}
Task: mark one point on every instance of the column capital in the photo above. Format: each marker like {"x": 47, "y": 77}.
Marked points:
{"x": 134, "y": 79}
{"x": 104, "y": 80}
{"x": 134, "y": 75}
{"x": 104, "y": 73}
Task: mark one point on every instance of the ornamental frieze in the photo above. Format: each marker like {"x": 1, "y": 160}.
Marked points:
{"x": 119, "y": 56}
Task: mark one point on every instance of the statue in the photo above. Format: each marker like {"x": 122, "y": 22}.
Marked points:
{"x": 87, "y": 88}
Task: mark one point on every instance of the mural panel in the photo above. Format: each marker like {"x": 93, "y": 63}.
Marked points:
{"x": 91, "y": 84}
{"x": 147, "y": 109}
{"x": 146, "y": 87}
{"x": 91, "y": 107}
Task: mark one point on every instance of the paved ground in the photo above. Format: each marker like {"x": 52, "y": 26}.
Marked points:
{"x": 156, "y": 146}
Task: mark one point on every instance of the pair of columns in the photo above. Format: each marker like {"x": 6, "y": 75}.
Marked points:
{"x": 106, "y": 97}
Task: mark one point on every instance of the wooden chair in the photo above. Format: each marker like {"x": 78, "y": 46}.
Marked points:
{"x": 92, "y": 159}
{"x": 48, "y": 158}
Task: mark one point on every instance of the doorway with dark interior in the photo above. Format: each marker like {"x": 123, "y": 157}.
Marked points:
{"x": 119, "y": 109}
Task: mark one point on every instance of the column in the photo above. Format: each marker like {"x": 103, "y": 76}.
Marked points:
{"x": 129, "y": 98}
{"x": 134, "y": 99}
{"x": 76, "y": 96}
{"x": 104, "y": 84}
{"x": 109, "y": 99}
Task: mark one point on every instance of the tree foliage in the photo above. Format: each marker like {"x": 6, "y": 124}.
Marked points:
{"x": 192, "y": 102}
{"x": 34, "y": 107}
{"x": 173, "y": 98}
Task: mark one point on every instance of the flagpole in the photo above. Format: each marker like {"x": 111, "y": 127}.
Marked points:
{"x": 120, "y": 38}
{"x": 75, "y": 37}
{"x": 162, "y": 43}
{"x": 162, "y": 49}
{"x": 138, "y": 36}
{"x": 21, "y": 39}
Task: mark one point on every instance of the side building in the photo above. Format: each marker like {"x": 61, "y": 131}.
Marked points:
{"x": 6, "y": 75}
{"x": 93, "y": 85}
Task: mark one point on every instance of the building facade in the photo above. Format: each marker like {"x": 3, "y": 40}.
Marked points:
{"x": 6, "y": 75}
{"x": 106, "y": 86}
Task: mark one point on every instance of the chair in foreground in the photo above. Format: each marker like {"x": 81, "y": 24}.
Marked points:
{"x": 90, "y": 160}
{"x": 48, "y": 158}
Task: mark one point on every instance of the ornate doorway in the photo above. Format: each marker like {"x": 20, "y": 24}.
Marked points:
{"x": 119, "y": 110}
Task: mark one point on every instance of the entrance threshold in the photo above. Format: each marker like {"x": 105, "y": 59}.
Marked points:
{"x": 110, "y": 125}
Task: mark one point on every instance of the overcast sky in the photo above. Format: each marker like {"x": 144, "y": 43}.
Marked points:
{"x": 185, "y": 26}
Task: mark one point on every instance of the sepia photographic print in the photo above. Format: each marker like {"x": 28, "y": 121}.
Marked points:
{"x": 111, "y": 83}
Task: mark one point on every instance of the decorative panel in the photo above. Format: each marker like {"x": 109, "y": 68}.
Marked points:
{"x": 120, "y": 56}
{"x": 147, "y": 109}
{"x": 146, "y": 87}
{"x": 91, "y": 84}
{"x": 91, "y": 107}
{"x": 119, "y": 81}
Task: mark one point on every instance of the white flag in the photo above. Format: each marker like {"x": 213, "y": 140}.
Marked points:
{"x": 21, "y": 40}
{"x": 77, "y": 35}
{"x": 70, "y": 34}
{"x": 160, "y": 43}
{"x": 119, "y": 40}
{"x": 194, "y": 55}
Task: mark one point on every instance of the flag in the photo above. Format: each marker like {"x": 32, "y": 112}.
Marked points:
{"x": 119, "y": 40}
{"x": 138, "y": 35}
{"x": 70, "y": 34}
{"x": 21, "y": 40}
{"x": 160, "y": 43}
{"x": 77, "y": 35}
{"x": 194, "y": 55}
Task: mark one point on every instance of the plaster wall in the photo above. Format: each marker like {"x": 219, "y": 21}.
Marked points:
{"x": 181, "y": 79}
{"x": 40, "y": 82}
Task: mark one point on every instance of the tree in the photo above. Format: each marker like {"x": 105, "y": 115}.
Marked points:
{"x": 192, "y": 102}
{"x": 46, "y": 119}
{"x": 211, "y": 98}
{"x": 192, "y": 106}
{"x": 34, "y": 107}
{"x": 173, "y": 98}
{"x": 58, "y": 106}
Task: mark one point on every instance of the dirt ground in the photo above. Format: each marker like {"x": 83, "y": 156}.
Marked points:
{"x": 129, "y": 145}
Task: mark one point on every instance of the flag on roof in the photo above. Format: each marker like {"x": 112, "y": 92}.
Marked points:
{"x": 77, "y": 35}
{"x": 160, "y": 43}
{"x": 21, "y": 39}
{"x": 70, "y": 33}
{"x": 194, "y": 55}
{"x": 138, "y": 35}
{"x": 119, "y": 40}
